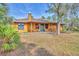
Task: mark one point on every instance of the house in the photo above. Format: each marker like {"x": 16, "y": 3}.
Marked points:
{"x": 35, "y": 25}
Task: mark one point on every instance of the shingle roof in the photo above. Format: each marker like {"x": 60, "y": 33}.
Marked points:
{"x": 34, "y": 20}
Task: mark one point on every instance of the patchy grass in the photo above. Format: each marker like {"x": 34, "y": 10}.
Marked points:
{"x": 64, "y": 44}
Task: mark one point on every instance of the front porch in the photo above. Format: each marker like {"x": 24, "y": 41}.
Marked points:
{"x": 42, "y": 27}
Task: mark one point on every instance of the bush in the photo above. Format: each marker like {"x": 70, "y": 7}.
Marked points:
{"x": 13, "y": 46}
{"x": 10, "y": 37}
{"x": 6, "y": 47}
{"x": 65, "y": 29}
{"x": 75, "y": 29}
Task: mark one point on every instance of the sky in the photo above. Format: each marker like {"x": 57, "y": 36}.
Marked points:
{"x": 20, "y": 10}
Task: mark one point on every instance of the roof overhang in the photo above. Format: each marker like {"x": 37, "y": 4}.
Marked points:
{"x": 36, "y": 22}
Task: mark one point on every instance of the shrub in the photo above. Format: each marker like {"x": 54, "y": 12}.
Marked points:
{"x": 6, "y": 47}
{"x": 65, "y": 29}
{"x": 75, "y": 29}
{"x": 10, "y": 37}
{"x": 13, "y": 46}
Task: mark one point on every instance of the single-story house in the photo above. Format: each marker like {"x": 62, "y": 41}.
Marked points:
{"x": 31, "y": 24}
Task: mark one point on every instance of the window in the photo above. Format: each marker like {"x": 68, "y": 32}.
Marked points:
{"x": 46, "y": 26}
{"x": 21, "y": 26}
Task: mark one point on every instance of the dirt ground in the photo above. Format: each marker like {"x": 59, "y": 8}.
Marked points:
{"x": 63, "y": 44}
{"x": 47, "y": 44}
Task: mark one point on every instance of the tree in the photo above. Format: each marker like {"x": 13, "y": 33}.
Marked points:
{"x": 42, "y": 17}
{"x": 7, "y": 20}
{"x": 48, "y": 18}
{"x": 59, "y": 10}
{"x": 72, "y": 19}
{"x": 74, "y": 8}
{"x": 4, "y": 18}
{"x": 8, "y": 35}
{"x": 54, "y": 18}
{"x": 3, "y": 9}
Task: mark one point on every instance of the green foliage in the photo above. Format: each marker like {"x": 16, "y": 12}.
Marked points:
{"x": 65, "y": 29}
{"x": 8, "y": 34}
{"x": 72, "y": 24}
{"x": 42, "y": 17}
{"x": 6, "y": 20}
{"x": 6, "y": 47}
{"x": 13, "y": 45}
{"x": 75, "y": 29}
{"x": 3, "y": 9}
{"x": 48, "y": 18}
{"x": 10, "y": 37}
{"x": 65, "y": 10}
{"x": 60, "y": 10}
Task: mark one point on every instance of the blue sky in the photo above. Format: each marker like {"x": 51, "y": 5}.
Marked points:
{"x": 20, "y": 10}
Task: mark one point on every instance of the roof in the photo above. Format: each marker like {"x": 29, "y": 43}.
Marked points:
{"x": 24, "y": 20}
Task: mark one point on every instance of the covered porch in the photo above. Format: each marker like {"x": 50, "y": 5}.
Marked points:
{"x": 42, "y": 27}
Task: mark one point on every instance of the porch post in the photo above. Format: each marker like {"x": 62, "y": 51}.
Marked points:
{"x": 39, "y": 27}
{"x": 44, "y": 27}
{"x": 31, "y": 27}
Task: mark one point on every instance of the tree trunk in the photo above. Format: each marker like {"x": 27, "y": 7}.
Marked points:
{"x": 58, "y": 28}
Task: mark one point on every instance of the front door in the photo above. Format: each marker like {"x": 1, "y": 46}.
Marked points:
{"x": 42, "y": 29}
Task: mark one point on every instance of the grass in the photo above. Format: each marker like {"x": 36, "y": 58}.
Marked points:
{"x": 63, "y": 44}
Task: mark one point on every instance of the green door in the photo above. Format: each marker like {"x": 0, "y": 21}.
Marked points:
{"x": 42, "y": 29}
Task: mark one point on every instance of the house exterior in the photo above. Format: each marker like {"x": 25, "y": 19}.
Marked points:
{"x": 34, "y": 25}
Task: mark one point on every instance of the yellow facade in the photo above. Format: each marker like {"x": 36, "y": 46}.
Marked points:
{"x": 15, "y": 25}
{"x": 31, "y": 26}
{"x": 27, "y": 27}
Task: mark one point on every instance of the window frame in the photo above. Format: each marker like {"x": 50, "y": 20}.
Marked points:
{"x": 21, "y": 26}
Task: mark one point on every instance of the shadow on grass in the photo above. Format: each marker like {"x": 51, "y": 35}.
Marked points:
{"x": 42, "y": 52}
{"x": 36, "y": 51}
{"x": 26, "y": 51}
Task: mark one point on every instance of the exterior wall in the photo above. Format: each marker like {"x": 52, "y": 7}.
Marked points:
{"x": 33, "y": 28}
{"x": 15, "y": 25}
{"x": 27, "y": 27}
{"x": 53, "y": 27}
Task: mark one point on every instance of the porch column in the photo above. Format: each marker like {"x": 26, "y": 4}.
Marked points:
{"x": 44, "y": 27}
{"x": 31, "y": 27}
{"x": 39, "y": 27}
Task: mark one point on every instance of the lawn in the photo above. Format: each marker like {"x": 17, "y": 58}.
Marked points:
{"x": 63, "y": 44}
